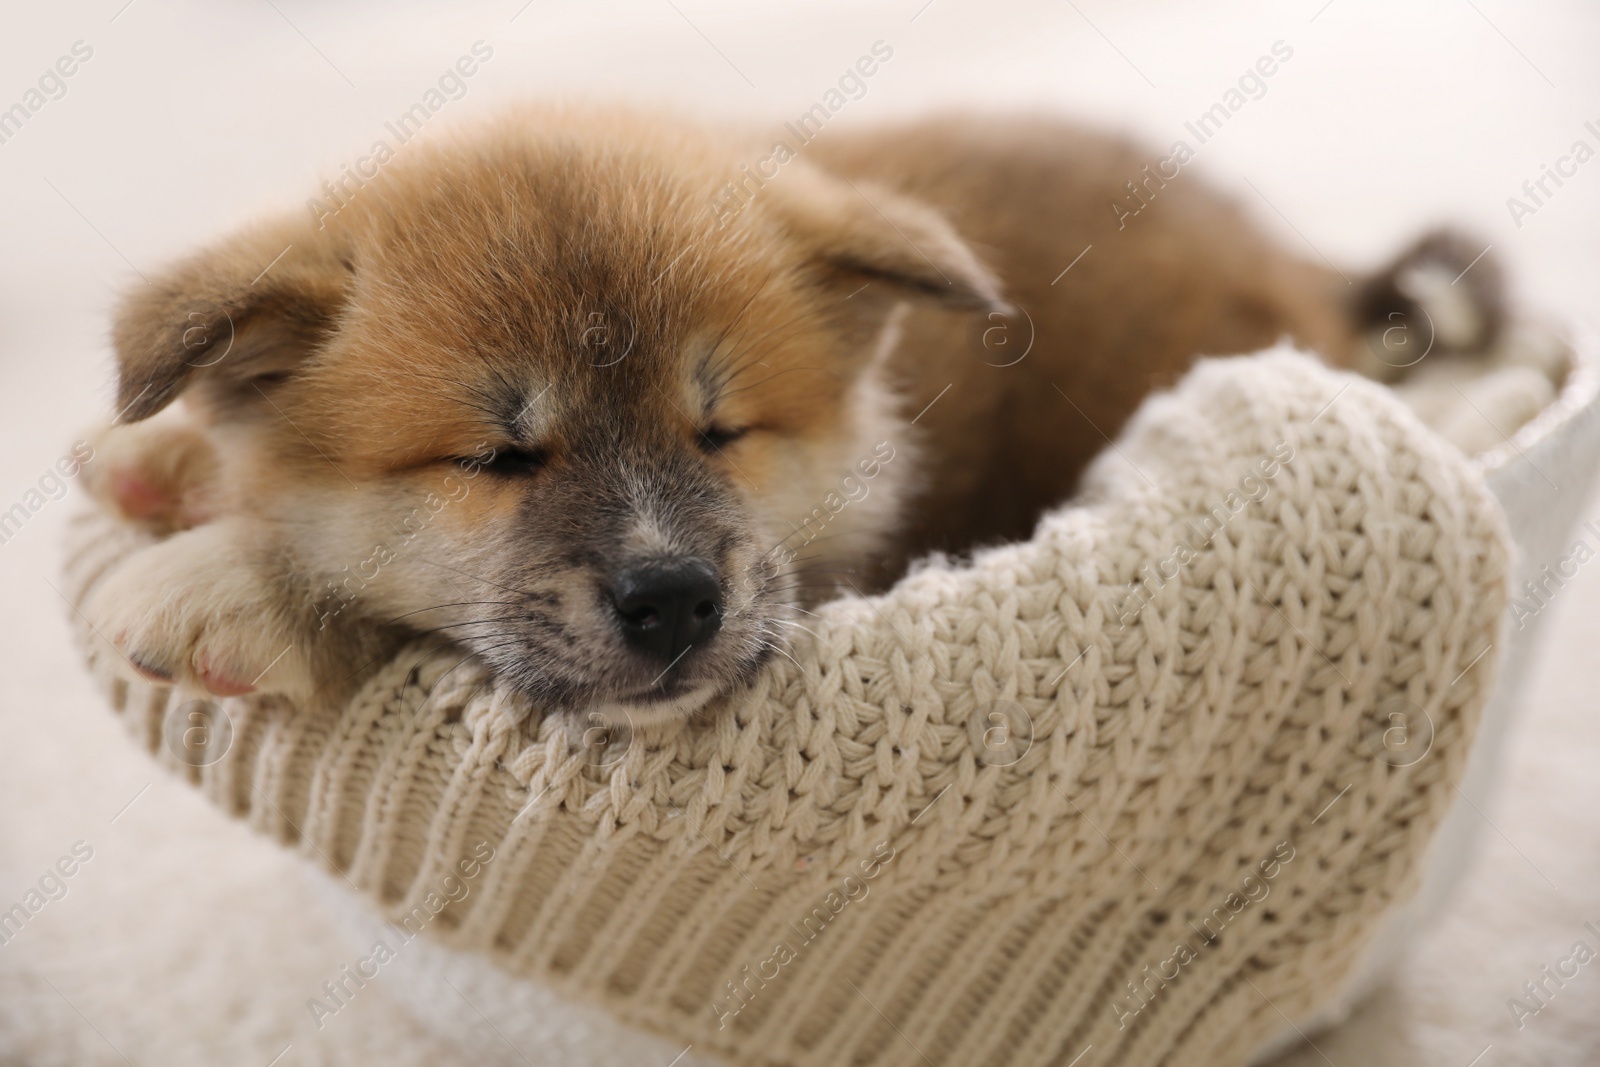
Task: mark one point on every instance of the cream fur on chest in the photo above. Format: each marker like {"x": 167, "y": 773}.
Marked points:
{"x": 1133, "y": 785}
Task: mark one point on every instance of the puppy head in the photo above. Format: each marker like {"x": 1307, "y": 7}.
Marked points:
{"x": 526, "y": 390}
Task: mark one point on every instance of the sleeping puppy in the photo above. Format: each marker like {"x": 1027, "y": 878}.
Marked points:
{"x": 592, "y": 396}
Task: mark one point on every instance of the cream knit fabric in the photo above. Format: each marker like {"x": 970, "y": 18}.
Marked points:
{"x": 1193, "y": 821}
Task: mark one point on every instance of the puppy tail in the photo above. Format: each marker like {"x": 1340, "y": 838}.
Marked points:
{"x": 1444, "y": 295}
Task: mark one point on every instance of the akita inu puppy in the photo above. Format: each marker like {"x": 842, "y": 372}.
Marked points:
{"x": 535, "y": 390}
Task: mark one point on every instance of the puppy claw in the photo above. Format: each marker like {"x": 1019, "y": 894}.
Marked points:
{"x": 221, "y": 683}
{"x": 150, "y": 672}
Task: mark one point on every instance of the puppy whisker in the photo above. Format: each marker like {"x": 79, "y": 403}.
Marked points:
{"x": 797, "y": 626}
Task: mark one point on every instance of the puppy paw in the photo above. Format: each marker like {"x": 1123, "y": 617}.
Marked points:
{"x": 160, "y": 475}
{"x": 197, "y": 610}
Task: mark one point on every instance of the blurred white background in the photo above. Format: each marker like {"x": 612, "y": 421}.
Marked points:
{"x": 186, "y": 940}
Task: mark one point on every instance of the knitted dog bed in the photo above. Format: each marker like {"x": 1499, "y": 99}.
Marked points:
{"x": 1146, "y": 784}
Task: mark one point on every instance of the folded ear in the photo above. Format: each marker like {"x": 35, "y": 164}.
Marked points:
{"x": 860, "y": 231}
{"x": 242, "y": 312}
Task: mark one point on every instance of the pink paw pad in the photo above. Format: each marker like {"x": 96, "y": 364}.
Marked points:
{"x": 137, "y": 497}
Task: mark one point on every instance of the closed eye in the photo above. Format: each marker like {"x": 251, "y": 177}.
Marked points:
{"x": 715, "y": 438}
{"x": 511, "y": 461}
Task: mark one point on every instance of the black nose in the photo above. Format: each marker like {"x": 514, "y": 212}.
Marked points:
{"x": 664, "y": 609}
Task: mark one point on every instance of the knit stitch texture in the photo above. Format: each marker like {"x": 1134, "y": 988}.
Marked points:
{"x": 1086, "y": 790}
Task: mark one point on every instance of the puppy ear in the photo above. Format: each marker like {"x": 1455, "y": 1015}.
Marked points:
{"x": 246, "y": 310}
{"x": 864, "y": 231}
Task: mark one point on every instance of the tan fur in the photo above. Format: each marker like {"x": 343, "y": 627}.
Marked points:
{"x": 562, "y": 282}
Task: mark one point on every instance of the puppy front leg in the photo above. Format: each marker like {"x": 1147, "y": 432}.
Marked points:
{"x": 209, "y": 606}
